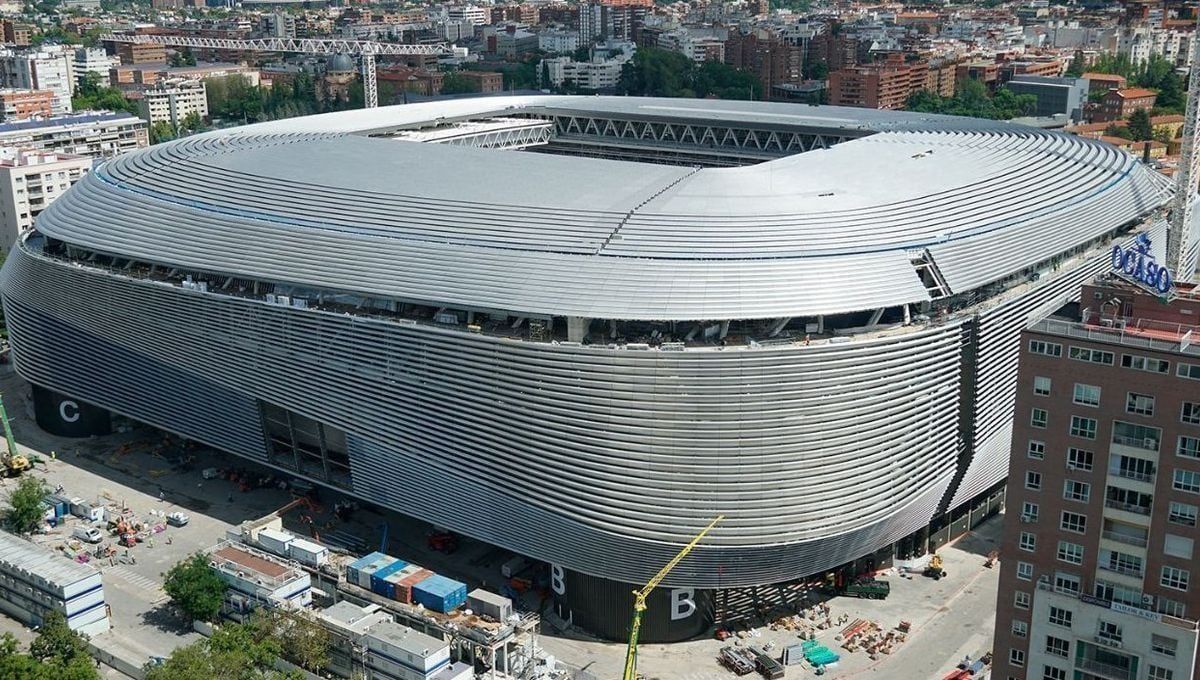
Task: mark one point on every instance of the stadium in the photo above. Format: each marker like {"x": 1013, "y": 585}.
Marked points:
{"x": 578, "y": 328}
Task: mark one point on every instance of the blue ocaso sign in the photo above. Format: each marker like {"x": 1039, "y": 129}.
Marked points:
{"x": 1137, "y": 263}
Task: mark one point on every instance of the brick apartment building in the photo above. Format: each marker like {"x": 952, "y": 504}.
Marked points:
{"x": 1118, "y": 104}
{"x": 18, "y": 105}
{"x": 400, "y": 79}
{"x": 1103, "y": 82}
{"x": 877, "y": 86}
{"x": 141, "y": 53}
{"x": 770, "y": 59}
{"x": 1104, "y": 492}
{"x": 20, "y": 35}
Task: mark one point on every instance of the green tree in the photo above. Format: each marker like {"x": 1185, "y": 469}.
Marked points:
{"x": 91, "y": 94}
{"x": 191, "y": 123}
{"x": 58, "y": 653}
{"x": 302, "y": 640}
{"x": 1118, "y": 130}
{"x": 973, "y": 99}
{"x": 235, "y": 651}
{"x": 1076, "y": 67}
{"x": 195, "y": 588}
{"x": 455, "y": 83}
{"x": 162, "y": 131}
{"x": 1140, "y": 126}
{"x": 25, "y": 508}
{"x": 666, "y": 73}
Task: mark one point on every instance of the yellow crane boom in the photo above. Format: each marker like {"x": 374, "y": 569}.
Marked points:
{"x": 639, "y": 598}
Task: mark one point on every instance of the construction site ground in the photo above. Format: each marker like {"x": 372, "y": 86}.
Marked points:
{"x": 950, "y": 618}
{"x": 154, "y": 475}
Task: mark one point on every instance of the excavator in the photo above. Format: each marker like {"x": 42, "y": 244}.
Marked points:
{"x": 13, "y": 461}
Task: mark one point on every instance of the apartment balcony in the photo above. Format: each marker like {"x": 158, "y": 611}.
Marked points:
{"x": 1105, "y": 670}
{"x": 1139, "y": 443}
{"x": 1140, "y": 542}
{"x": 1127, "y": 507}
{"x": 1123, "y": 570}
{"x": 1135, "y": 476}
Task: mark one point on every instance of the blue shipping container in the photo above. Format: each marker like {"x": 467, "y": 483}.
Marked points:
{"x": 440, "y": 594}
{"x": 352, "y": 571}
{"x": 379, "y": 583}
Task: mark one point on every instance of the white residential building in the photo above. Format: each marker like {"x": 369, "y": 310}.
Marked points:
{"x": 93, "y": 60}
{"x": 598, "y": 74}
{"x": 30, "y": 180}
{"x": 51, "y": 68}
{"x": 558, "y": 41}
{"x": 96, "y": 134}
{"x": 174, "y": 100}
{"x": 476, "y": 15}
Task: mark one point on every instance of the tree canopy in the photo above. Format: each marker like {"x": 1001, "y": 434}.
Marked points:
{"x": 666, "y": 73}
{"x": 25, "y": 510}
{"x": 972, "y": 99}
{"x": 57, "y": 653}
{"x": 91, "y": 94}
{"x": 235, "y": 651}
{"x": 195, "y": 588}
{"x": 1140, "y": 127}
{"x": 1157, "y": 74}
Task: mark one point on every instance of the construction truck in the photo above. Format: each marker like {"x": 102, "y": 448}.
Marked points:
{"x": 935, "y": 569}
{"x": 14, "y": 463}
{"x": 869, "y": 588}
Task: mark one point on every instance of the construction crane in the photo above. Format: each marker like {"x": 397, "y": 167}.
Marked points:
{"x": 639, "y": 598}
{"x": 14, "y": 463}
{"x": 1186, "y": 174}
{"x": 365, "y": 50}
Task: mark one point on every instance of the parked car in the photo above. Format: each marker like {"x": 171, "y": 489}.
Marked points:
{"x": 178, "y": 519}
{"x": 88, "y": 534}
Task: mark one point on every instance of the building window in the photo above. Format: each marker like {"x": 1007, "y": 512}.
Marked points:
{"x": 1145, "y": 363}
{"x": 1038, "y": 417}
{"x": 1050, "y": 349}
{"x": 1025, "y": 571}
{"x": 1067, "y": 583}
{"x": 1178, "y": 546}
{"x": 1016, "y": 657}
{"x": 1160, "y": 673}
{"x": 1020, "y": 628}
{"x": 1060, "y": 617}
{"x": 1094, "y": 356}
{"x": 1077, "y": 491}
{"x": 1052, "y": 673}
{"x": 1041, "y": 386}
{"x": 1189, "y": 447}
{"x": 1078, "y": 459}
{"x": 1139, "y": 404}
{"x": 1191, "y": 371}
{"x": 1071, "y": 553}
{"x": 1170, "y": 607}
{"x": 1109, "y": 631}
{"x": 1082, "y": 427}
{"x": 1028, "y": 542}
{"x": 1191, "y": 413}
{"x": 1033, "y": 480}
{"x": 1029, "y": 512}
{"x": 1021, "y": 599}
{"x": 1037, "y": 450}
{"x": 1122, "y": 563}
{"x": 1182, "y": 514}
{"x": 1186, "y": 480}
{"x": 1073, "y": 521}
{"x": 1173, "y": 577}
{"x": 1058, "y": 647}
{"x": 1086, "y": 395}
{"x": 1163, "y": 645}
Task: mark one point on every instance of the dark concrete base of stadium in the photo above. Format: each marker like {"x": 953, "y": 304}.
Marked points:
{"x": 605, "y": 608}
{"x": 66, "y": 416}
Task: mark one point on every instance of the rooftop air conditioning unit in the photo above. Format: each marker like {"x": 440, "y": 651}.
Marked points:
{"x": 1147, "y": 600}
{"x": 1150, "y": 443}
{"x": 1027, "y": 518}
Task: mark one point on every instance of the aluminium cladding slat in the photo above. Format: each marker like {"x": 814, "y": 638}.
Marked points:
{"x": 469, "y": 407}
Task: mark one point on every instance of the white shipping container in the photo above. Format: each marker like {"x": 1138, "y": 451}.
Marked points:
{"x": 275, "y": 541}
{"x": 307, "y": 552}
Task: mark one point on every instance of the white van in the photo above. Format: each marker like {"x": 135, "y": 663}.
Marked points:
{"x": 88, "y": 534}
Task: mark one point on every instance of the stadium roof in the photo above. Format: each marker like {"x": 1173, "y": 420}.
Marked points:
{"x": 315, "y": 201}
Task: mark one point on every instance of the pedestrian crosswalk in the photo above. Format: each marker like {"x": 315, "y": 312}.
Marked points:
{"x": 151, "y": 586}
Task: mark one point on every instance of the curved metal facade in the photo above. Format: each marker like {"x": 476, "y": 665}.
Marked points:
{"x": 603, "y": 459}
